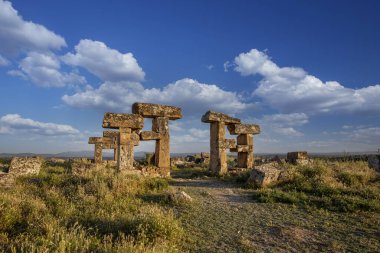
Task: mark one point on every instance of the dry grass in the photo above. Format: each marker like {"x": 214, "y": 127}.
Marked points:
{"x": 101, "y": 211}
{"x": 335, "y": 186}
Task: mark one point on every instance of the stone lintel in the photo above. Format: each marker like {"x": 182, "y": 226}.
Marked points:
{"x": 211, "y": 116}
{"x": 243, "y": 129}
{"x": 122, "y": 120}
{"x": 242, "y": 149}
{"x": 155, "y": 110}
{"x": 111, "y": 134}
{"x": 94, "y": 140}
{"x": 103, "y": 140}
{"x": 150, "y": 135}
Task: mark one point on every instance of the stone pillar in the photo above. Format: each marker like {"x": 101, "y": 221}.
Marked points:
{"x": 244, "y": 145}
{"x": 218, "y": 143}
{"x": 218, "y": 154}
{"x": 129, "y": 125}
{"x": 162, "y": 149}
{"x": 160, "y": 114}
{"x": 98, "y": 150}
{"x": 114, "y": 135}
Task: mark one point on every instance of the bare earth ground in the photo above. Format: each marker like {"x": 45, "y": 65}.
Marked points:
{"x": 225, "y": 218}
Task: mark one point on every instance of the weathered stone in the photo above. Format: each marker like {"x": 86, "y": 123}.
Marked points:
{"x": 243, "y": 129}
{"x": 162, "y": 150}
{"x": 127, "y": 141}
{"x": 242, "y": 149}
{"x": 118, "y": 120}
{"x": 298, "y": 158}
{"x": 155, "y": 110}
{"x": 374, "y": 162}
{"x": 111, "y": 134}
{"x": 210, "y": 117}
{"x": 25, "y": 165}
{"x": 150, "y": 135}
{"x": 154, "y": 171}
{"x": 180, "y": 196}
{"x": 227, "y": 143}
{"x": 20, "y": 166}
{"x": 100, "y": 144}
{"x": 263, "y": 175}
{"x": 218, "y": 154}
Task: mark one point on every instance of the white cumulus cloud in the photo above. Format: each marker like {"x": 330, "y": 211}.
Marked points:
{"x": 15, "y": 124}
{"x": 106, "y": 63}
{"x": 18, "y": 35}
{"x": 281, "y": 125}
{"x": 44, "y": 69}
{"x": 191, "y": 95}
{"x": 291, "y": 89}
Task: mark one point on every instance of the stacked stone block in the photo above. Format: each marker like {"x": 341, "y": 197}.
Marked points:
{"x": 244, "y": 146}
{"x": 219, "y": 144}
{"x": 129, "y": 126}
{"x": 160, "y": 114}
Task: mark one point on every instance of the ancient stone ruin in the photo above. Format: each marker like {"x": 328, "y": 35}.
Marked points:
{"x": 129, "y": 126}
{"x": 100, "y": 144}
{"x": 129, "y": 133}
{"x": 20, "y": 166}
{"x": 219, "y": 144}
{"x": 298, "y": 158}
{"x": 160, "y": 114}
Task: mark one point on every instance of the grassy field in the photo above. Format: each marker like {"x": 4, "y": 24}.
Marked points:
{"x": 324, "y": 207}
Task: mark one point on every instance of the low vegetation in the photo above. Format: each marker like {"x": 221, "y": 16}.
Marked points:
{"x": 335, "y": 186}
{"x": 324, "y": 207}
{"x": 100, "y": 211}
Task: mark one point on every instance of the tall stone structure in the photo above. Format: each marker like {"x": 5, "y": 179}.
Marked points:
{"x": 244, "y": 146}
{"x": 129, "y": 126}
{"x": 100, "y": 144}
{"x": 160, "y": 114}
{"x": 218, "y": 142}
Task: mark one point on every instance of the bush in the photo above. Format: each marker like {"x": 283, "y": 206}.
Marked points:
{"x": 100, "y": 211}
{"x": 346, "y": 188}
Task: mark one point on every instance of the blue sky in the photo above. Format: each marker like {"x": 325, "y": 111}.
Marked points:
{"x": 306, "y": 71}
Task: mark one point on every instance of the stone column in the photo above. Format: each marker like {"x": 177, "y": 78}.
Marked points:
{"x": 98, "y": 150}
{"x": 218, "y": 143}
{"x": 128, "y": 125}
{"x": 244, "y": 145}
{"x": 162, "y": 149}
{"x": 114, "y": 135}
{"x": 160, "y": 114}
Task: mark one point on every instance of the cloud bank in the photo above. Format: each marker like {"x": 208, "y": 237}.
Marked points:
{"x": 292, "y": 89}
{"x": 15, "y": 124}
{"x": 18, "y": 35}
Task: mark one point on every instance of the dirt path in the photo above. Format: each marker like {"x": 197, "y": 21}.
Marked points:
{"x": 225, "y": 218}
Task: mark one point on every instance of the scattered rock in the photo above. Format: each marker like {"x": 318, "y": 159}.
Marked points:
{"x": 298, "y": 158}
{"x": 180, "y": 196}
{"x": 21, "y": 166}
{"x": 374, "y": 162}
{"x": 263, "y": 175}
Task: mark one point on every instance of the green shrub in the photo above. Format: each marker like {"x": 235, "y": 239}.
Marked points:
{"x": 343, "y": 189}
